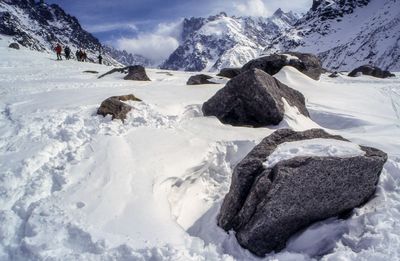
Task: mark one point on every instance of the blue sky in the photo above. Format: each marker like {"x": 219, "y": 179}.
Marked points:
{"x": 145, "y": 22}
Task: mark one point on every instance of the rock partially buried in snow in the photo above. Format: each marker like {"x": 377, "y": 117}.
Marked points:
{"x": 200, "y": 79}
{"x": 308, "y": 64}
{"x": 92, "y": 72}
{"x": 270, "y": 200}
{"x": 230, "y": 72}
{"x": 334, "y": 75}
{"x": 14, "y": 46}
{"x": 137, "y": 73}
{"x": 115, "y": 107}
{"x": 253, "y": 98}
{"x": 371, "y": 71}
{"x": 134, "y": 73}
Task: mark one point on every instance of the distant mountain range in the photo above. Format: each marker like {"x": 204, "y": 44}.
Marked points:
{"x": 343, "y": 33}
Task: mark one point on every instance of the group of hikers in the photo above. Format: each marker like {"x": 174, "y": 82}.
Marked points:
{"x": 80, "y": 55}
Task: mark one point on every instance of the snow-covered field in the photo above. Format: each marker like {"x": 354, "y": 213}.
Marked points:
{"x": 77, "y": 186}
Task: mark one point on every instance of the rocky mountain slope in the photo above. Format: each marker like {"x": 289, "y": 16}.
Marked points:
{"x": 39, "y": 26}
{"x": 219, "y": 41}
{"x": 347, "y": 33}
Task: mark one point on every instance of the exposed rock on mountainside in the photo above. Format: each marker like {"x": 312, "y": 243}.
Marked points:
{"x": 308, "y": 64}
{"x": 347, "y": 33}
{"x": 254, "y": 98}
{"x": 221, "y": 41}
{"x": 370, "y": 70}
{"x": 267, "y": 205}
{"x": 40, "y": 26}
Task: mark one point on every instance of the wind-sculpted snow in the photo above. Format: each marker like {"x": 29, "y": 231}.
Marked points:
{"x": 77, "y": 186}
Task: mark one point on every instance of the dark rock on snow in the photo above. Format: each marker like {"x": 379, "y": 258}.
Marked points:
{"x": 254, "y": 98}
{"x": 115, "y": 107}
{"x": 134, "y": 73}
{"x": 372, "y": 71}
{"x": 200, "y": 79}
{"x": 267, "y": 206}
{"x": 93, "y": 72}
{"x": 334, "y": 75}
{"x": 14, "y": 46}
{"x": 230, "y": 72}
{"x": 308, "y": 64}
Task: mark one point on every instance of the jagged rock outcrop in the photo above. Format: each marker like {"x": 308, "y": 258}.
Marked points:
{"x": 324, "y": 30}
{"x": 308, "y": 64}
{"x": 371, "y": 71}
{"x": 265, "y": 206}
{"x": 116, "y": 107}
{"x": 53, "y": 25}
{"x": 200, "y": 79}
{"x": 253, "y": 98}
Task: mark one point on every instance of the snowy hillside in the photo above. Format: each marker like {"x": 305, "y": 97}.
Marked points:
{"x": 40, "y": 26}
{"x": 347, "y": 34}
{"x": 221, "y": 41}
{"x": 77, "y": 186}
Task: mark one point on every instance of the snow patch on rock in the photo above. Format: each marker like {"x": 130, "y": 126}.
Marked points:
{"x": 313, "y": 148}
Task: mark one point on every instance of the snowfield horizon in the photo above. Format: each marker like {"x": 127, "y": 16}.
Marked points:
{"x": 75, "y": 185}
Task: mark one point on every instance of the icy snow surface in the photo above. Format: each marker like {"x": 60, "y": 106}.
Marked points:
{"x": 77, "y": 186}
{"x": 313, "y": 147}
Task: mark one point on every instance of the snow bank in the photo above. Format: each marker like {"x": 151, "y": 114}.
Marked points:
{"x": 77, "y": 186}
{"x": 313, "y": 148}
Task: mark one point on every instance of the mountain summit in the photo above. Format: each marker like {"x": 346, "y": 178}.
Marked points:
{"x": 347, "y": 33}
{"x": 219, "y": 41}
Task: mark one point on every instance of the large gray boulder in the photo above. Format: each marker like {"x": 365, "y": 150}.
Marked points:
{"x": 253, "y": 98}
{"x": 230, "y": 72}
{"x": 14, "y": 46}
{"x": 266, "y": 206}
{"x": 371, "y": 71}
{"x": 200, "y": 79}
{"x": 116, "y": 107}
{"x": 133, "y": 73}
{"x": 308, "y": 64}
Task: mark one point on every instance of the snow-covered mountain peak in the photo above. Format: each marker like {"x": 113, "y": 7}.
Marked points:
{"x": 347, "y": 34}
{"x": 218, "y": 41}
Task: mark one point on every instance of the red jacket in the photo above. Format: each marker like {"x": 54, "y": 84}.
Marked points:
{"x": 58, "y": 49}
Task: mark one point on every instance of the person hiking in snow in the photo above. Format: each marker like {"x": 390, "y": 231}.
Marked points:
{"x": 100, "y": 59}
{"x": 84, "y": 56}
{"x": 78, "y": 55}
{"x": 58, "y": 50}
{"x": 67, "y": 52}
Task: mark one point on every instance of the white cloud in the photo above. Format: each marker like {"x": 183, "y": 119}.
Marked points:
{"x": 252, "y": 8}
{"x": 101, "y": 28}
{"x": 156, "y": 45}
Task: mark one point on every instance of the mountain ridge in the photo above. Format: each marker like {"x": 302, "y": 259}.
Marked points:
{"x": 39, "y": 26}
